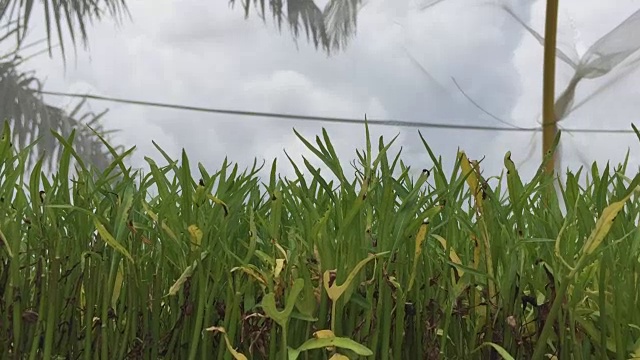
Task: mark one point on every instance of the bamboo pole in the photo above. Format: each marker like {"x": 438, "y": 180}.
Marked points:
{"x": 549, "y": 121}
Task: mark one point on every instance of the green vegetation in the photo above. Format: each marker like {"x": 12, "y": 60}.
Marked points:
{"x": 118, "y": 264}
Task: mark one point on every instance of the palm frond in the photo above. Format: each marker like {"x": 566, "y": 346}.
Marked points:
{"x": 21, "y": 103}
{"x": 72, "y": 16}
{"x": 341, "y": 19}
{"x": 32, "y": 119}
{"x": 330, "y": 28}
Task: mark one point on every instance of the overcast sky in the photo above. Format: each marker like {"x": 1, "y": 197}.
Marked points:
{"x": 204, "y": 53}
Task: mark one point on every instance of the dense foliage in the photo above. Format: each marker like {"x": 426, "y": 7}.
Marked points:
{"x": 119, "y": 264}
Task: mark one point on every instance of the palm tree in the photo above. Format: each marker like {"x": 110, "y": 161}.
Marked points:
{"x": 21, "y": 103}
{"x": 329, "y": 28}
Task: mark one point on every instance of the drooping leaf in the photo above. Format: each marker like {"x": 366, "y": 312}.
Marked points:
{"x": 334, "y": 290}
{"x": 269, "y": 304}
{"x": 110, "y": 240}
{"x": 186, "y": 274}
{"x": 236, "y": 354}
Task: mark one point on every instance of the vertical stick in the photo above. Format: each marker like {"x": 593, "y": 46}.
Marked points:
{"x": 549, "y": 124}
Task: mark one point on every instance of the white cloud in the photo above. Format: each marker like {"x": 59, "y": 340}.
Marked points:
{"x": 202, "y": 53}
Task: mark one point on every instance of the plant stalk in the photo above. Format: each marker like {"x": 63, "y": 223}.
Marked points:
{"x": 541, "y": 344}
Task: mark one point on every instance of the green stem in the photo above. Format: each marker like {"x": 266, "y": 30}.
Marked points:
{"x": 89, "y": 290}
{"x": 333, "y": 315}
{"x": 17, "y": 313}
{"x": 197, "y": 329}
{"x": 541, "y": 344}
{"x": 35, "y": 339}
{"x": 602, "y": 319}
{"x": 154, "y": 316}
{"x": 51, "y": 318}
{"x": 284, "y": 342}
{"x": 385, "y": 324}
{"x": 106, "y": 298}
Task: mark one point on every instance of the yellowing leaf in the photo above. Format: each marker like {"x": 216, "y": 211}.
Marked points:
{"x": 219, "y": 329}
{"x": 5, "y": 242}
{"x": 603, "y": 225}
{"x": 278, "y": 268}
{"x": 281, "y": 249}
{"x": 335, "y": 291}
{"x": 155, "y": 218}
{"x": 321, "y": 334}
{"x": 394, "y": 282}
{"x": 337, "y": 356}
{"x": 452, "y": 253}
{"x": 196, "y": 236}
{"x": 422, "y": 234}
{"x": 185, "y": 275}
{"x": 325, "y": 334}
{"x": 472, "y": 180}
{"x": 252, "y": 272}
{"x": 110, "y": 240}
{"x": 199, "y": 196}
{"x": 117, "y": 287}
{"x": 236, "y": 355}
{"x": 181, "y": 280}
{"x": 219, "y": 202}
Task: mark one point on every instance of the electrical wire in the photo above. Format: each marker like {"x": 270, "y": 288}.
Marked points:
{"x": 340, "y": 120}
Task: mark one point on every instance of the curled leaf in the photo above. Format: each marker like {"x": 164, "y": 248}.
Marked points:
{"x": 236, "y": 355}
{"x": 269, "y": 304}
{"x": 335, "y": 291}
{"x": 219, "y": 202}
{"x": 253, "y": 272}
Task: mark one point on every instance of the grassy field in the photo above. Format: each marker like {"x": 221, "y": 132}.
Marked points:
{"x": 224, "y": 265}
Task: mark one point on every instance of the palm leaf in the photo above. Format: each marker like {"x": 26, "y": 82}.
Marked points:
{"x": 60, "y": 16}
{"x": 32, "y": 119}
{"x": 330, "y": 28}
{"x": 20, "y": 101}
